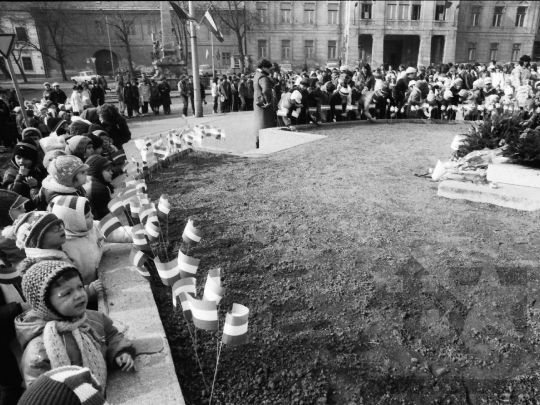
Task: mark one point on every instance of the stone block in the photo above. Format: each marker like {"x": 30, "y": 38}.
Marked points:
{"x": 274, "y": 140}
{"x": 506, "y": 195}
{"x": 516, "y": 175}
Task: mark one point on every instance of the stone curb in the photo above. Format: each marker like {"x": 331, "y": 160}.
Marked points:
{"x": 129, "y": 302}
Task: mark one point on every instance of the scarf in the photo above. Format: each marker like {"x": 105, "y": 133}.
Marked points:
{"x": 50, "y": 254}
{"x": 88, "y": 342}
{"x": 51, "y": 184}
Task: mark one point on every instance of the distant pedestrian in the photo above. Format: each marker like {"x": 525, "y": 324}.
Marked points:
{"x": 165, "y": 95}
{"x": 225, "y": 95}
{"x": 234, "y": 95}
{"x": 154, "y": 97}
{"x": 144, "y": 94}
{"x": 57, "y": 96}
{"x": 265, "y": 116}
{"x": 215, "y": 94}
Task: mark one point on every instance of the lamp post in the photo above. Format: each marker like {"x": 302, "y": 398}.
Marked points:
{"x": 110, "y": 48}
{"x": 195, "y": 64}
{"x": 6, "y": 47}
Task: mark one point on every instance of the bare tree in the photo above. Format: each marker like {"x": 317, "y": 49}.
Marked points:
{"x": 233, "y": 14}
{"x": 3, "y": 67}
{"x": 124, "y": 25}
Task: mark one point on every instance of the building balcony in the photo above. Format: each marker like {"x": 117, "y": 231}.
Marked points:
{"x": 365, "y": 22}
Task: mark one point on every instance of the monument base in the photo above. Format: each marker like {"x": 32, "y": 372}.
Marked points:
{"x": 171, "y": 70}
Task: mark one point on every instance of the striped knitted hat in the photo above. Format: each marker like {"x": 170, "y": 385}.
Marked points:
{"x": 70, "y": 209}
{"x": 36, "y": 285}
{"x": 77, "y": 145}
{"x": 9, "y": 200}
{"x": 64, "y": 169}
{"x": 30, "y": 229}
{"x": 68, "y": 385}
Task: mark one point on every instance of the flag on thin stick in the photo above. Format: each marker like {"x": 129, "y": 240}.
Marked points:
{"x": 168, "y": 272}
{"x": 139, "y": 240}
{"x": 236, "y": 326}
{"x": 116, "y": 206}
{"x": 205, "y": 315}
{"x": 188, "y": 265}
{"x": 108, "y": 224}
{"x": 192, "y": 235}
{"x": 164, "y": 206}
{"x": 152, "y": 230}
{"x": 212, "y": 289}
{"x": 184, "y": 285}
{"x": 134, "y": 206}
{"x": 138, "y": 259}
{"x": 9, "y": 275}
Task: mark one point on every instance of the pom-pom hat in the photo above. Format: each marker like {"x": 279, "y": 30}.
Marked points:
{"x": 30, "y": 131}
{"x": 30, "y": 229}
{"x": 9, "y": 201}
{"x": 64, "y": 169}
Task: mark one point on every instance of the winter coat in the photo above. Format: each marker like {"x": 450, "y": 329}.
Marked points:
{"x": 17, "y": 182}
{"x": 77, "y": 102}
{"x": 155, "y": 96}
{"x": 50, "y": 188}
{"x": 165, "y": 93}
{"x": 263, "y": 117}
{"x": 10, "y": 254}
{"x": 97, "y": 95}
{"x": 86, "y": 251}
{"x": 35, "y": 361}
{"x": 224, "y": 90}
{"x": 58, "y": 97}
{"x": 99, "y": 195}
{"x": 119, "y": 132}
{"x": 144, "y": 92}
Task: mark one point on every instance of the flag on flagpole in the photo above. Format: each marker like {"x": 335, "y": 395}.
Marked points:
{"x": 205, "y": 315}
{"x": 192, "y": 235}
{"x": 212, "y": 289}
{"x": 184, "y": 285}
{"x": 181, "y": 13}
{"x": 9, "y": 275}
{"x": 108, "y": 224}
{"x": 116, "y": 206}
{"x": 236, "y": 326}
{"x": 168, "y": 272}
{"x": 164, "y": 207}
{"x": 188, "y": 265}
{"x": 212, "y": 26}
{"x": 152, "y": 230}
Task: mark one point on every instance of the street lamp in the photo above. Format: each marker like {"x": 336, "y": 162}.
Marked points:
{"x": 6, "y": 47}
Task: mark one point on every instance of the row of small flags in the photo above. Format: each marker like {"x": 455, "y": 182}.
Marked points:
{"x": 180, "y": 272}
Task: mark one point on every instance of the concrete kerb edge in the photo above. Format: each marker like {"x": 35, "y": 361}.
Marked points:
{"x": 128, "y": 301}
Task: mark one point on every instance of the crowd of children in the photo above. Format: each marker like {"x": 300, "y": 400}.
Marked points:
{"x": 447, "y": 91}
{"x": 55, "y": 190}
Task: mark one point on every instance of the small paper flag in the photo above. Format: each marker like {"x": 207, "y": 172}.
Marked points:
{"x": 119, "y": 157}
{"x": 116, "y": 206}
{"x": 108, "y": 224}
{"x": 188, "y": 265}
{"x": 9, "y": 275}
{"x": 168, "y": 272}
{"x": 145, "y": 211}
{"x": 236, "y": 326}
{"x": 152, "y": 230}
{"x": 192, "y": 235}
{"x": 184, "y": 285}
{"x": 161, "y": 152}
{"x": 205, "y": 315}
{"x": 186, "y": 308}
{"x": 212, "y": 289}
{"x": 164, "y": 207}
{"x": 134, "y": 206}
{"x": 138, "y": 259}
{"x": 140, "y": 186}
{"x": 139, "y": 240}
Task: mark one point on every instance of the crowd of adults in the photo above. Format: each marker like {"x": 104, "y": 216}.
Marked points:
{"x": 426, "y": 92}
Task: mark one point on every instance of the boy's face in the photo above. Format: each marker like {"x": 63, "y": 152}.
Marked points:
{"x": 107, "y": 175}
{"x": 55, "y": 237}
{"x": 106, "y": 143}
{"x": 80, "y": 179}
{"x": 69, "y": 299}
{"x": 98, "y": 151}
{"x": 23, "y": 162}
{"x": 89, "y": 218}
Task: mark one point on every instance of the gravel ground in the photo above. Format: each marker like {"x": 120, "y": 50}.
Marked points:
{"x": 364, "y": 286}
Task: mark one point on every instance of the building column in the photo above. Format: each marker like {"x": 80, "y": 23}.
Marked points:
{"x": 377, "y": 50}
{"x": 424, "y": 51}
{"x": 449, "y": 54}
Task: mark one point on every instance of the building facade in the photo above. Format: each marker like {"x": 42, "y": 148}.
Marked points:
{"x": 299, "y": 33}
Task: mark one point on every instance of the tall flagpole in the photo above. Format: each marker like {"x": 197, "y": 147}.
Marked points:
{"x": 195, "y": 64}
{"x": 213, "y": 69}
{"x": 110, "y": 47}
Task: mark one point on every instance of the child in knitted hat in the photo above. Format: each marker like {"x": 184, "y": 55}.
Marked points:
{"x": 12, "y": 205}
{"x": 80, "y": 146}
{"x": 98, "y": 186}
{"x": 97, "y": 143}
{"x": 24, "y": 169}
{"x": 59, "y": 331}
{"x": 67, "y": 175}
{"x": 68, "y": 385}
{"x": 108, "y": 148}
{"x": 85, "y": 242}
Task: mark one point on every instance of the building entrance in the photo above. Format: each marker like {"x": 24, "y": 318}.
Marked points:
{"x": 103, "y": 62}
{"x": 401, "y": 49}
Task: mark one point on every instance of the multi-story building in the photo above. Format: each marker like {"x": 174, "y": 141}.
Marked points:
{"x": 301, "y": 33}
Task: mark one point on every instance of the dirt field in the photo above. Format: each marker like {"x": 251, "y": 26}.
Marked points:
{"x": 364, "y": 286}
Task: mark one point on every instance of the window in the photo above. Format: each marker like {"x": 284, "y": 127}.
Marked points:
{"x": 497, "y": 16}
{"x": 226, "y": 56}
{"x": 391, "y": 12}
{"x": 403, "y": 12}
{"x": 475, "y": 16}
{"x": 416, "y": 8}
{"x": 520, "y": 16}
{"x": 309, "y": 13}
{"x": 263, "y": 15}
{"x": 333, "y": 14}
{"x": 310, "y": 49}
{"x": 332, "y": 49}
{"x": 225, "y": 30}
{"x": 21, "y": 34}
{"x": 27, "y": 63}
{"x": 286, "y": 49}
{"x": 130, "y": 27}
{"x": 99, "y": 27}
{"x": 516, "y": 51}
{"x": 263, "y": 48}
{"x": 440, "y": 13}
{"x": 366, "y": 11}
{"x": 472, "y": 51}
{"x": 285, "y": 12}
{"x": 151, "y": 27}
{"x": 493, "y": 51}
{"x": 236, "y": 62}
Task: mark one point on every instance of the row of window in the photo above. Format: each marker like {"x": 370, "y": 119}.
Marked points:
{"x": 498, "y": 15}
{"x": 309, "y": 13}
{"x": 494, "y": 51}
{"x": 309, "y": 49}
